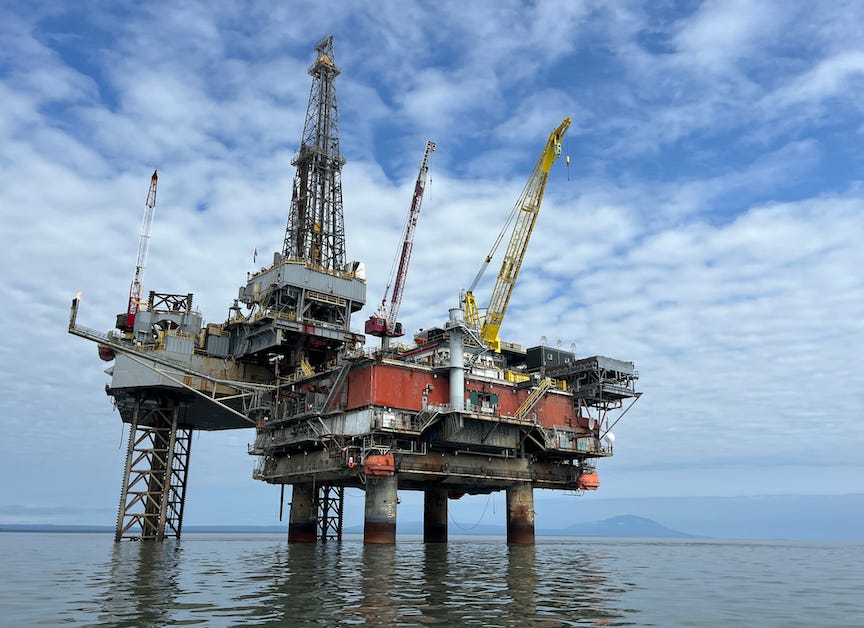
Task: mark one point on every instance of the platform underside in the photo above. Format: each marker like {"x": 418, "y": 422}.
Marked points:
{"x": 461, "y": 473}
{"x": 194, "y": 412}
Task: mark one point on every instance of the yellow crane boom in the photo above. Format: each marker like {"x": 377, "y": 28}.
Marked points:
{"x": 525, "y": 214}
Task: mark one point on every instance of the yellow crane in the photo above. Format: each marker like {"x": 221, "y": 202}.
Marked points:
{"x": 525, "y": 214}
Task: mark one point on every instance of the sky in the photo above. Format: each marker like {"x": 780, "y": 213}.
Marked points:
{"x": 707, "y": 227}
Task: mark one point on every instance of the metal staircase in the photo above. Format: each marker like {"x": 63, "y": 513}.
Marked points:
{"x": 534, "y": 398}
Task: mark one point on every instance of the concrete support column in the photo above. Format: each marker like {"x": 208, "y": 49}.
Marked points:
{"x": 303, "y": 518}
{"x": 520, "y": 513}
{"x": 380, "y": 523}
{"x": 435, "y": 515}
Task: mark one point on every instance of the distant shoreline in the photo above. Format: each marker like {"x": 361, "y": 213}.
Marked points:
{"x": 627, "y": 526}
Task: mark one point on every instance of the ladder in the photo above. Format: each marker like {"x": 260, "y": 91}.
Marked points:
{"x": 534, "y": 398}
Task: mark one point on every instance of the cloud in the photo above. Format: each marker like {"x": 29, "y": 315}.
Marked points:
{"x": 721, "y": 33}
{"x": 833, "y": 76}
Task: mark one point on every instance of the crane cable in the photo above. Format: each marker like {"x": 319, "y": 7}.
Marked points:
{"x": 567, "y": 156}
{"x": 392, "y": 276}
{"x": 513, "y": 213}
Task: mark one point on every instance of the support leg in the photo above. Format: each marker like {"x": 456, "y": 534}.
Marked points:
{"x": 302, "y": 520}
{"x": 435, "y": 515}
{"x": 520, "y": 514}
{"x": 153, "y": 493}
{"x": 380, "y": 523}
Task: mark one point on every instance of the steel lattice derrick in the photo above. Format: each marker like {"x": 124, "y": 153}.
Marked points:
{"x": 316, "y": 228}
{"x": 331, "y": 500}
{"x": 153, "y": 493}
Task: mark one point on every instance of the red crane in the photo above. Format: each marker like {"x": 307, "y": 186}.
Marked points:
{"x": 143, "y": 245}
{"x": 383, "y": 324}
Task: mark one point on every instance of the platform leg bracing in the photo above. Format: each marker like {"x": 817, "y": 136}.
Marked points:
{"x": 520, "y": 513}
{"x": 435, "y": 515}
{"x": 156, "y": 472}
{"x": 303, "y": 517}
{"x": 380, "y": 522}
{"x": 331, "y": 506}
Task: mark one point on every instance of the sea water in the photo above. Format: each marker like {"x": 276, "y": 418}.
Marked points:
{"x": 49, "y": 579}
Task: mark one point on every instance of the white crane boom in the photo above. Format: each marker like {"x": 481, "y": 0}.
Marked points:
{"x": 143, "y": 246}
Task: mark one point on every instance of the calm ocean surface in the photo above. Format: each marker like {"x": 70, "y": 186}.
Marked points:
{"x": 259, "y": 580}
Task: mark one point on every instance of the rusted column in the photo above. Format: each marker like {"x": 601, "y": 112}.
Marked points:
{"x": 520, "y": 513}
{"x": 302, "y": 520}
{"x": 435, "y": 515}
{"x": 380, "y": 523}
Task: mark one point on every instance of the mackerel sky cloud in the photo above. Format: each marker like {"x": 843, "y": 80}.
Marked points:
{"x": 708, "y": 227}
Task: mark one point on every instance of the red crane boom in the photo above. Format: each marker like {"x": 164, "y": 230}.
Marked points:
{"x": 384, "y": 324}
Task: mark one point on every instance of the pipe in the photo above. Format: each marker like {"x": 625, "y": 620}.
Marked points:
{"x": 457, "y": 359}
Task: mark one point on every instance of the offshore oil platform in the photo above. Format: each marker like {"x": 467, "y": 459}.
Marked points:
{"x": 458, "y": 412}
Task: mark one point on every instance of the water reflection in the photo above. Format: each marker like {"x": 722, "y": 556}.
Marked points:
{"x": 141, "y": 584}
{"x": 434, "y": 572}
{"x": 576, "y": 587}
{"x": 265, "y": 581}
{"x": 378, "y": 604}
{"x": 307, "y": 581}
{"x": 522, "y": 581}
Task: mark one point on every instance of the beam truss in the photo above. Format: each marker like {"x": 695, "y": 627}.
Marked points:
{"x": 331, "y": 500}
{"x": 153, "y": 493}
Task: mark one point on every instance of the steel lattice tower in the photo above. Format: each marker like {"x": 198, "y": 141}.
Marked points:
{"x": 316, "y": 228}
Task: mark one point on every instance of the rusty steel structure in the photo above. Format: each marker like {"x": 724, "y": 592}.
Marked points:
{"x": 457, "y": 412}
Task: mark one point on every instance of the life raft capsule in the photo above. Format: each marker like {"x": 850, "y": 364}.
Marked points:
{"x": 106, "y": 353}
{"x": 588, "y": 482}
{"x": 380, "y": 464}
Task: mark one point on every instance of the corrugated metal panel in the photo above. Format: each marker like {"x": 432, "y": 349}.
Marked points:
{"x": 130, "y": 374}
{"x": 351, "y": 423}
{"x": 176, "y": 344}
{"x": 218, "y": 345}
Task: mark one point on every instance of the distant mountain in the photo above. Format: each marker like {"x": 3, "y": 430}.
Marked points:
{"x": 625, "y": 526}
{"x": 781, "y": 517}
